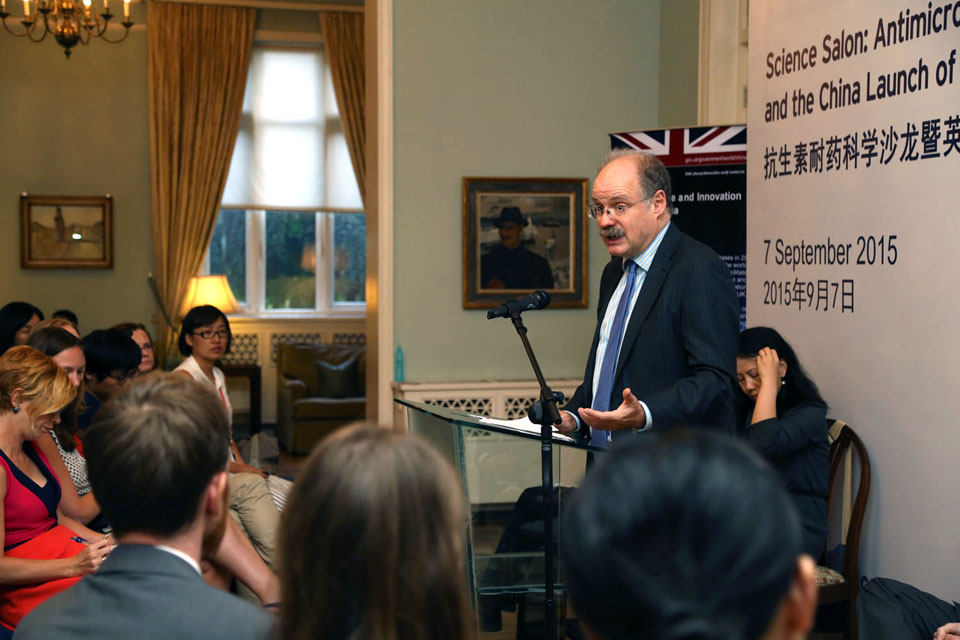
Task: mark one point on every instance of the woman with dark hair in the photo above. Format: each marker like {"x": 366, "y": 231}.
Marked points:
{"x": 786, "y": 420}
{"x": 205, "y": 337}
{"x": 142, "y": 337}
{"x": 686, "y": 535}
{"x": 17, "y": 320}
{"x": 373, "y": 543}
{"x": 61, "y": 448}
{"x": 41, "y": 552}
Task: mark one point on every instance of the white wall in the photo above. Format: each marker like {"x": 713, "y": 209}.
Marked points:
{"x": 502, "y": 88}
{"x": 886, "y": 365}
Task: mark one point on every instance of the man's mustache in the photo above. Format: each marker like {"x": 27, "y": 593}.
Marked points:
{"x": 612, "y": 233}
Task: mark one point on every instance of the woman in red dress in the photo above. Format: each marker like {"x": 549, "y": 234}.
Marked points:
{"x": 44, "y": 552}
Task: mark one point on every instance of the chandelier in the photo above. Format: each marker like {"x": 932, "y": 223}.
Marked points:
{"x": 71, "y": 22}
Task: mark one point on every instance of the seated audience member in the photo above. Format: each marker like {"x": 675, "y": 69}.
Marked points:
{"x": 142, "y": 337}
{"x": 785, "y": 418}
{"x": 113, "y": 359}
{"x": 686, "y": 535}
{"x": 373, "y": 543}
{"x": 891, "y": 610}
{"x": 235, "y": 556}
{"x": 17, "y": 320}
{"x": 60, "y": 323}
{"x": 205, "y": 337}
{"x": 60, "y": 446}
{"x": 42, "y": 554}
{"x": 157, "y": 454}
{"x": 67, "y": 315}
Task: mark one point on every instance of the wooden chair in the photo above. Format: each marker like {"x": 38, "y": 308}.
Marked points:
{"x": 844, "y": 586}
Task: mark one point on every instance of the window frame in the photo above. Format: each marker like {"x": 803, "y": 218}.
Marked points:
{"x": 255, "y": 221}
{"x": 255, "y": 234}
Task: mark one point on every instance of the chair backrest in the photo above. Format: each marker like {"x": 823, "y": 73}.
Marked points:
{"x": 844, "y": 447}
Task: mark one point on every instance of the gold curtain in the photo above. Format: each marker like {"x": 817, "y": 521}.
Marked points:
{"x": 199, "y": 56}
{"x": 343, "y": 35}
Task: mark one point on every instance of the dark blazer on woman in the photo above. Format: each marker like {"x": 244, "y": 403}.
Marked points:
{"x": 796, "y": 445}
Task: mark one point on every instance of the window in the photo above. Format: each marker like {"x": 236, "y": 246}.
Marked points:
{"x": 291, "y": 233}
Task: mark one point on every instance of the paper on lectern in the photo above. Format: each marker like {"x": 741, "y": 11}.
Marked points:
{"x": 522, "y": 424}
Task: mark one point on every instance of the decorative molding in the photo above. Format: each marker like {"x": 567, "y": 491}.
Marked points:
{"x": 723, "y": 62}
{"x": 508, "y": 399}
{"x": 244, "y": 349}
{"x": 288, "y": 338}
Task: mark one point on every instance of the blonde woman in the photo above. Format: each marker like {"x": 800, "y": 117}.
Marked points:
{"x": 44, "y": 552}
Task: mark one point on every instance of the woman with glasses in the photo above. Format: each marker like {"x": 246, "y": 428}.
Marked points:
{"x": 204, "y": 338}
{"x": 138, "y": 332}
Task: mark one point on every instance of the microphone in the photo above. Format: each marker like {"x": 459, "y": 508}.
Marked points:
{"x": 536, "y": 300}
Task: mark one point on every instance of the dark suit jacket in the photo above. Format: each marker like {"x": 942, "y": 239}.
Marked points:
{"x": 679, "y": 350}
{"x": 145, "y": 593}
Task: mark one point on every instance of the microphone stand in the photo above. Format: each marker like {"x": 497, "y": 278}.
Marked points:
{"x": 546, "y": 414}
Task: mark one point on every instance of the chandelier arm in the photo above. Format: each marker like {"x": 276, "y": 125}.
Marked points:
{"x": 97, "y": 25}
{"x": 33, "y": 28}
{"x": 126, "y": 26}
{"x": 9, "y": 30}
{"x": 28, "y": 28}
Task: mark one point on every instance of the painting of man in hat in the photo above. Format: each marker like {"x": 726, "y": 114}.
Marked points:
{"x": 509, "y": 264}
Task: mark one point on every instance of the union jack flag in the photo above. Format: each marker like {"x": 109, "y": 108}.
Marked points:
{"x": 689, "y": 146}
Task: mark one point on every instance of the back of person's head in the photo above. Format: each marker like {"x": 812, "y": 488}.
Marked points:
{"x": 798, "y": 387}
{"x": 373, "y": 543}
{"x": 41, "y": 382}
{"x": 13, "y": 317}
{"x": 60, "y": 323}
{"x": 197, "y": 317}
{"x": 685, "y": 535}
{"x": 151, "y": 452}
{"x": 110, "y": 351}
{"x": 67, "y": 315}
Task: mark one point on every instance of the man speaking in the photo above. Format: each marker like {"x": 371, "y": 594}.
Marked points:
{"x": 664, "y": 351}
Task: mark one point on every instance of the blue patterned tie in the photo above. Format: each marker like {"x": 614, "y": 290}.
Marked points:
{"x": 601, "y": 400}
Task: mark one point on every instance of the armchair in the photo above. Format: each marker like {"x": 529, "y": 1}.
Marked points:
{"x": 319, "y": 389}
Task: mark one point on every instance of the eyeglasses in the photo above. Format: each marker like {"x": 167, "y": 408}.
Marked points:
{"x": 595, "y": 210}
{"x": 207, "y": 334}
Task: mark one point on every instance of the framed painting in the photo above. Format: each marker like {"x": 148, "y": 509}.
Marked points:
{"x": 58, "y": 232}
{"x": 523, "y": 234}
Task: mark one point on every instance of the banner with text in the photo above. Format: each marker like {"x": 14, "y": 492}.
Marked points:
{"x": 854, "y": 180}
{"x": 708, "y": 174}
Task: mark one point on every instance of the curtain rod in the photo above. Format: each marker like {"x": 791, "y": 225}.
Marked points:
{"x": 268, "y": 4}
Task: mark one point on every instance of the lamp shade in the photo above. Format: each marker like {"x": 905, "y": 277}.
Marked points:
{"x": 212, "y": 290}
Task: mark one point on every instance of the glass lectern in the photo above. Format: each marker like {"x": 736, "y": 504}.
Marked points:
{"x": 500, "y": 468}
